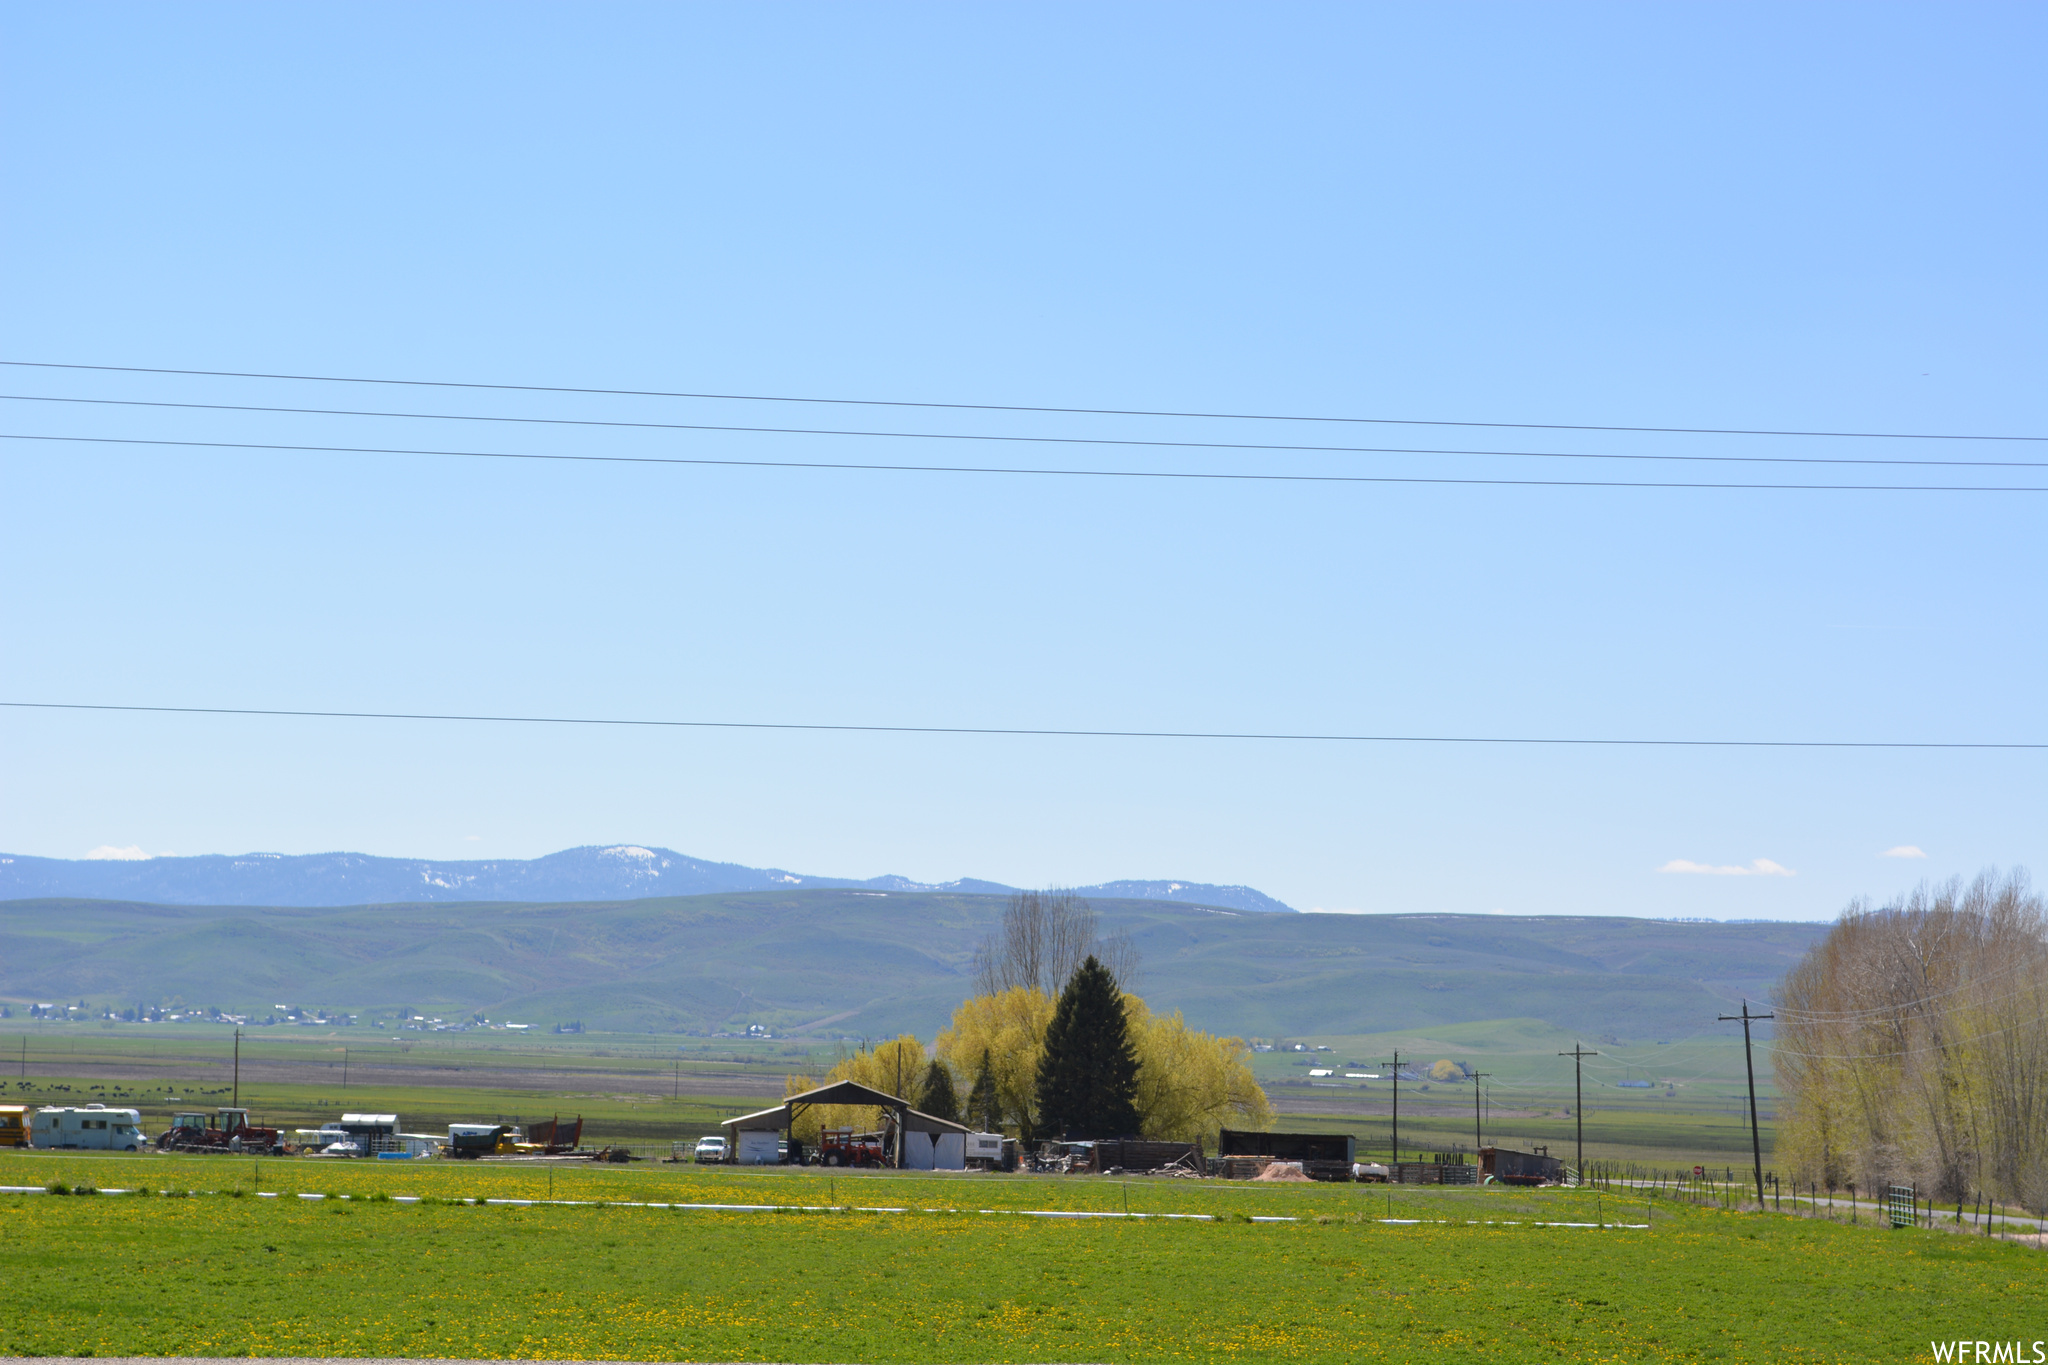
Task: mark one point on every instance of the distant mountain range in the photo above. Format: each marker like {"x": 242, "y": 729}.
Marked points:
{"x": 614, "y": 872}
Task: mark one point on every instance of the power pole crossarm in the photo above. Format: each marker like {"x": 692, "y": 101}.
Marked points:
{"x": 1756, "y": 1146}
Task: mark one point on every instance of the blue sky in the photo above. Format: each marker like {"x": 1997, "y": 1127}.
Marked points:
{"x": 1813, "y": 217}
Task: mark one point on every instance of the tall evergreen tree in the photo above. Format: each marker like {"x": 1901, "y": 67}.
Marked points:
{"x": 1088, "y": 1073}
{"x": 935, "y": 1096}
{"x": 984, "y": 1105}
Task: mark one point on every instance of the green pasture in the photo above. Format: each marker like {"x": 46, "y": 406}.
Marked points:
{"x": 1696, "y": 1112}
{"x": 686, "y": 1182}
{"x": 1703, "y": 1073}
{"x": 1477, "y": 1280}
{"x": 1671, "y": 1139}
{"x": 188, "y": 1051}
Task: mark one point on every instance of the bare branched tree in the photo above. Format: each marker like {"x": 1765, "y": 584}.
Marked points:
{"x": 1043, "y": 937}
{"x": 1912, "y": 1045}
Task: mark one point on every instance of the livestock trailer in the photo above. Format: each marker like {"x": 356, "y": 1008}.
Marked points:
{"x": 1519, "y": 1168}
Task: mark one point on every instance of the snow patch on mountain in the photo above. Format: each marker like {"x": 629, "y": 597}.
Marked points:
{"x": 597, "y": 872}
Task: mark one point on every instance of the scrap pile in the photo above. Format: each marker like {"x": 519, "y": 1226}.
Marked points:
{"x": 1136, "y": 1156}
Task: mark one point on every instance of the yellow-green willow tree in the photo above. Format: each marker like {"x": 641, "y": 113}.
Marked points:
{"x": 1190, "y": 1084}
{"x": 1912, "y": 1046}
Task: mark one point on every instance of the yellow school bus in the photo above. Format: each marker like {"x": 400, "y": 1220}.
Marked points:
{"x": 13, "y": 1125}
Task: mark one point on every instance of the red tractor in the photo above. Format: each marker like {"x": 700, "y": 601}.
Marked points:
{"x": 844, "y": 1147}
{"x": 228, "y": 1131}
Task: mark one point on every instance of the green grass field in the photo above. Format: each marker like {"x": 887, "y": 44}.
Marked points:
{"x": 1695, "y": 1112}
{"x": 223, "y": 1275}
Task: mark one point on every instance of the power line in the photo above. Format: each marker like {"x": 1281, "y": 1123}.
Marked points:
{"x": 1778, "y": 1046}
{"x": 1224, "y": 476}
{"x": 1006, "y": 439}
{"x": 1024, "y": 731}
{"x": 1012, "y": 407}
{"x": 1893, "y": 1011}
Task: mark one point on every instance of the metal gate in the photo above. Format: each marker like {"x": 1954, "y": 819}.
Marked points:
{"x": 1902, "y": 1203}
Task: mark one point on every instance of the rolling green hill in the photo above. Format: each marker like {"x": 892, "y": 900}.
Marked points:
{"x": 837, "y": 962}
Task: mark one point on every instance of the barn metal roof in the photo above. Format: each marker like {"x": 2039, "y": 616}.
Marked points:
{"x": 843, "y": 1092}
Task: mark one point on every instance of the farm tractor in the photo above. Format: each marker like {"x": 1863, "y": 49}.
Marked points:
{"x": 844, "y": 1147}
{"x": 227, "y": 1131}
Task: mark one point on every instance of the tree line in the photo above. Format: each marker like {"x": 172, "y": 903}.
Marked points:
{"x": 1912, "y": 1046}
{"x": 1055, "y": 1043}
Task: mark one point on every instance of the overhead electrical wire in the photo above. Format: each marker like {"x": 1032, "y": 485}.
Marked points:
{"x": 1003, "y": 438}
{"x": 1013, "y": 407}
{"x": 1777, "y": 1045}
{"x": 1029, "y": 732}
{"x": 1723, "y": 1071}
{"x": 1901, "y": 1010}
{"x": 1225, "y": 476}
{"x": 1610, "y": 1050}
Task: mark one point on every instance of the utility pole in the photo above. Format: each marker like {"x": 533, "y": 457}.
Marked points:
{"x": 1756, "y": 1146}
{"x": 1477, "y": 1140}
{"x": 1396, "y": 1065}
{"x": 238, "y": 1066}
{"x": 344, "y": 1068}
{"x": 1578, "y": 1054}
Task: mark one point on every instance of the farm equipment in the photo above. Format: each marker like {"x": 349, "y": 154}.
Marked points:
{"x": 548, "y": 1137}
{"x": 228, "y": 1130}
{"x": 468, "y": 1141}
{"x": 554, "y": 1137}
{"x": 844, "y": 1147}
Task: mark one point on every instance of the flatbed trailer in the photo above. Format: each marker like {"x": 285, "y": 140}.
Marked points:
{"x": 227, "y": 1130}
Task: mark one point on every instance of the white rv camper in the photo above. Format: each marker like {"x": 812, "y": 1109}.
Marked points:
{"x": 94, "y": 1127}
